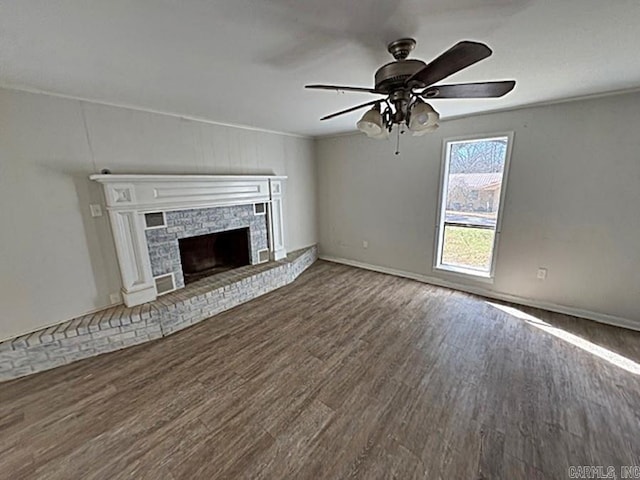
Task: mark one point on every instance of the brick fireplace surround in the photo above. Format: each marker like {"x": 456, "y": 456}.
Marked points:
{"x": 183, "y": 207}
{"x": 162, "y": 243}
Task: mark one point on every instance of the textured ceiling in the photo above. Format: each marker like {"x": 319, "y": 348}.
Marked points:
{"x": 246, "y": 61}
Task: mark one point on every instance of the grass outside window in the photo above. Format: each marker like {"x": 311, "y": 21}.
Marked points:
{"x": 468, "y": 247}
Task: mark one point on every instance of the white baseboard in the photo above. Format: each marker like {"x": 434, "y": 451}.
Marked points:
{"x": 552, "y": 307}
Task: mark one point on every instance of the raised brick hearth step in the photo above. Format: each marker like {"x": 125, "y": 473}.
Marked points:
{"x": 119, "y": 327}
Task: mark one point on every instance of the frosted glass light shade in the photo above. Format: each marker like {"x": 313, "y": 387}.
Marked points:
{"x": 424, "y": 131}
{"x": 424, "y": 119}
{"x": 371, "y": 123}
{"x": 382, "y": 136}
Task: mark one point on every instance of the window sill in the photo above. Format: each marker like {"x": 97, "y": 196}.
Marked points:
{"x": 462, "y": 272}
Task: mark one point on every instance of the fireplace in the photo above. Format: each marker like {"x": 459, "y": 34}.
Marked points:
{"x": 205, "y": 255}
{"x": 150, "y": 214}
{"x": 186, "y": 245}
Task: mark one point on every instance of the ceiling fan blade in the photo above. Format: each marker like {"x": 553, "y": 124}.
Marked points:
{"x": 357, "y": 107}
{"x": 470, "y": 90}
{"x": 338, "y": 88}
{"x": 460, "y": 56}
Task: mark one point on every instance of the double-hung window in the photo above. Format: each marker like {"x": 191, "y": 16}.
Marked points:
{"x": 472, "y": 193}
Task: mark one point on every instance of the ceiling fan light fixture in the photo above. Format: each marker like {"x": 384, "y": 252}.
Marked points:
{"x": 423, "y": 118}
{"x": 424, "y": 131}
{"x": 371, "y": 123}
{"x": 381, "y": 136}
{"x": 407, "y": 82}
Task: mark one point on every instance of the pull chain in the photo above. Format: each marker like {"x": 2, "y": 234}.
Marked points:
{"x": 399, "y": 132}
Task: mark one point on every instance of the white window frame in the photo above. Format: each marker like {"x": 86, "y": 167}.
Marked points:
{"x": 439, "y": 230}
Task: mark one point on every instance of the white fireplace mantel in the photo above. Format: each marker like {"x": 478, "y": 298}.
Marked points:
{"x": 129, "y": 197}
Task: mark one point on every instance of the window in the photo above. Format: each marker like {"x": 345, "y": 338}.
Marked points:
{"x": 472, "y": 189}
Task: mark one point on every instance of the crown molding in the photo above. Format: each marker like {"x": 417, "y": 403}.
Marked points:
{"x": 191, "y": 118}
{"x": 592, "y": 96}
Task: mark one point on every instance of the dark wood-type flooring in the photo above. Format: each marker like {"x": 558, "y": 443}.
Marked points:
{"x": 343, "y": 374}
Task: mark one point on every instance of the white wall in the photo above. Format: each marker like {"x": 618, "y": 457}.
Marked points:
{"x": 58, "y": 262}
{"x": 572, "y": 204}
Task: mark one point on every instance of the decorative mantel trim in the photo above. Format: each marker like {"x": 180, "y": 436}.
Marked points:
{"x": 129, "y": 197}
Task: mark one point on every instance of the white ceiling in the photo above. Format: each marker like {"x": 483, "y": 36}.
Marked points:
{"x": 246, "y": 61}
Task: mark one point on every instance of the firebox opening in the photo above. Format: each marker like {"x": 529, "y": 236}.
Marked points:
{"x": 213, "y": 253}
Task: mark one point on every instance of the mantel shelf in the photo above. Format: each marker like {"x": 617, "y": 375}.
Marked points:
{"x": 126, "y": 177}
{"x": 130, "y": 196}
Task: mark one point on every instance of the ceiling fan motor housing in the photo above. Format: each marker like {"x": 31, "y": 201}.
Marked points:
{"x": 393, "y": 75}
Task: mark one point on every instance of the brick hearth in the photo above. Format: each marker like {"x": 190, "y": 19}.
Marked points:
{"x": 119, "y": 327}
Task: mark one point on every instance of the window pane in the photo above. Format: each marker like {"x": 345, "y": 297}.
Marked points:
{"x": 470, "y": 203}
{"x": 474, "y": 181}
{"x": 468, "y": 247}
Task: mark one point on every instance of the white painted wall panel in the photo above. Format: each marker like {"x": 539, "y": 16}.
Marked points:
{"x": 56, "y": 261}
{"x": 571, "y": 203}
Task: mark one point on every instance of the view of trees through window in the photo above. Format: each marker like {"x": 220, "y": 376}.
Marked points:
{"x": 472, "y": 192}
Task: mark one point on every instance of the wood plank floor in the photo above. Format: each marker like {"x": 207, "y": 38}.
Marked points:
{"x": 343, "y": 374}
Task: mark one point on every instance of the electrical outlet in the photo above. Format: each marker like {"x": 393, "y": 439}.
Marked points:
{"x": 96, "y": 210}
{"x": 115, "y": 298}
{"x": 542, "y": 273}
{"x": 365, "y": 244}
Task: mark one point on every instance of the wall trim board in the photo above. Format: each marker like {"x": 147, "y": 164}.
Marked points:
{"x": 483, "y": 292}
{"x": 191, "y": 118}
{"x": 524, "y": 106}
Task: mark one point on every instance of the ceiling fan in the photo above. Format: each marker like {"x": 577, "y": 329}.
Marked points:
{"x": 406, "y": 83}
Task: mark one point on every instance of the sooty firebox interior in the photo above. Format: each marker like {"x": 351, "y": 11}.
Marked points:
{"x": 206, "y": 255}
